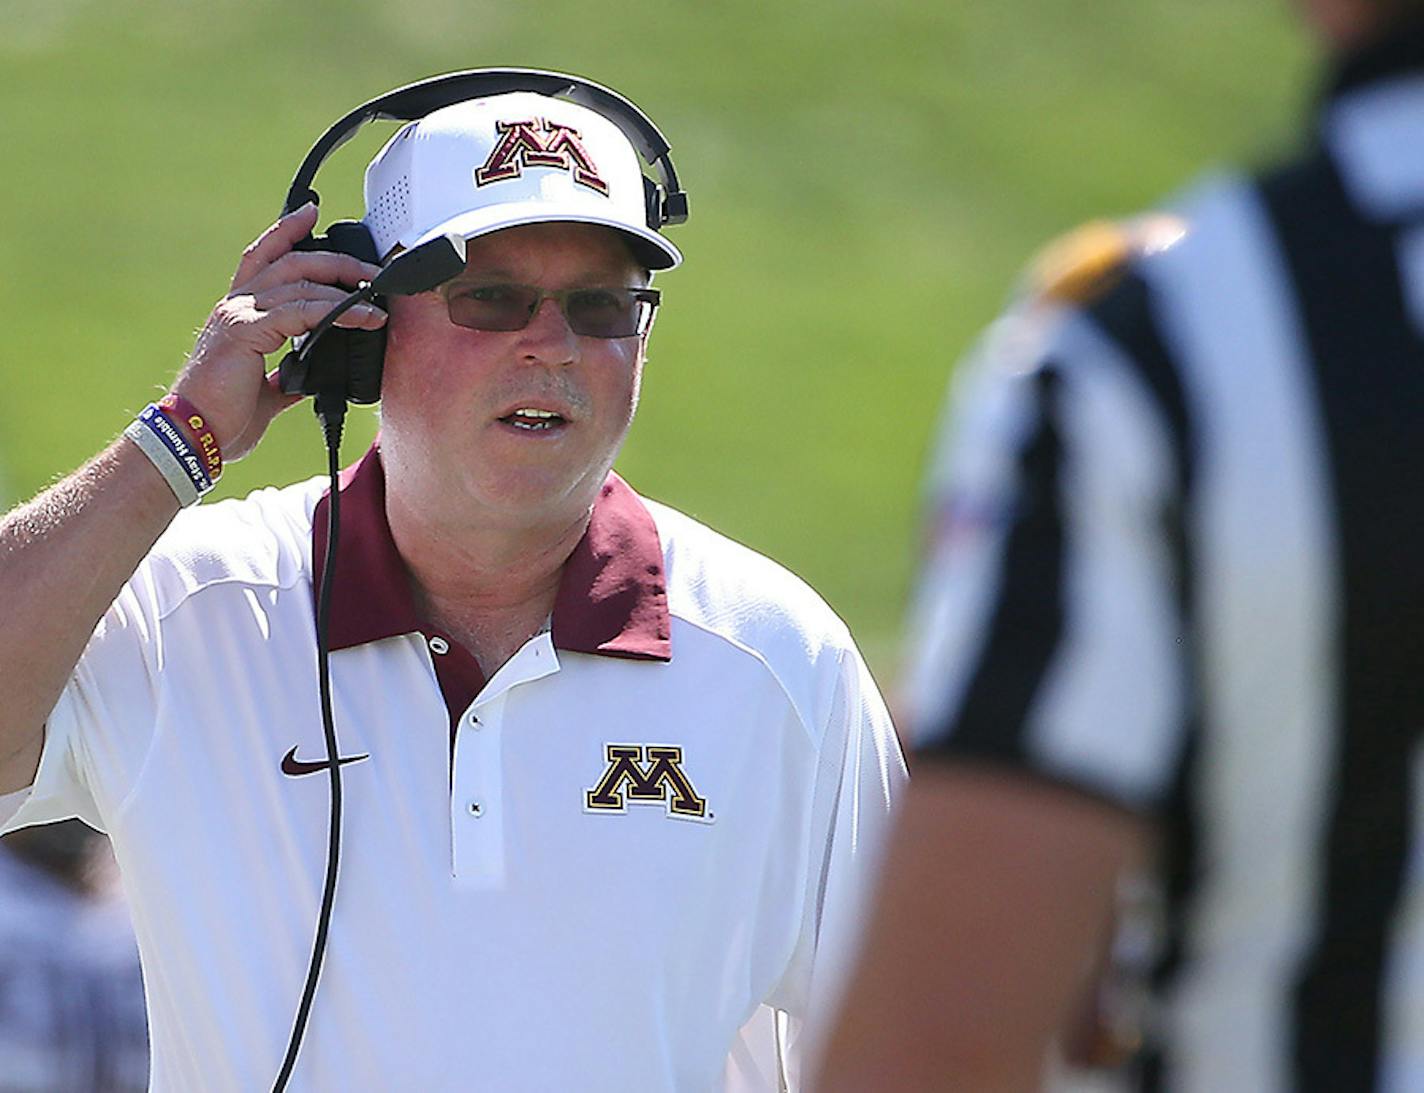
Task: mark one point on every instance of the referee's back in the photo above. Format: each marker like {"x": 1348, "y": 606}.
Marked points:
{"x": 1178, "y": 571}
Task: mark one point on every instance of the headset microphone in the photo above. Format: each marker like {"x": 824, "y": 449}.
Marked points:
{"x": 422, "y": 268}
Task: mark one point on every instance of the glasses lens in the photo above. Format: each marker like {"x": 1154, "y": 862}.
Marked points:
{"x": 492, "y": 307}
{"x": 602, "y": 312}
{"x": 592, "y": 312}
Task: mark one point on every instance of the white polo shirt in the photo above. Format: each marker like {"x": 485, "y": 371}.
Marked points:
{"x": 603, "y": 868}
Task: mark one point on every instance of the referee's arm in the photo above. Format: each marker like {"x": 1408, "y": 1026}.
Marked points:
{"x": 1046, "y": 707}
{"x": 996, "y": 899}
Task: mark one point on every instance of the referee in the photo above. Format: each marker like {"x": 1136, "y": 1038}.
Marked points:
{"x": 1174, "y": 612}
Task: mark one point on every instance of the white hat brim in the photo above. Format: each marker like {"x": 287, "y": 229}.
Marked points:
{"x": 493, "y": 218}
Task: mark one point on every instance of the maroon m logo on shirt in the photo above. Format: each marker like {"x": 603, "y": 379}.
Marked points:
{"x": 538, "y": 143}
{"x": 656, "y": 779}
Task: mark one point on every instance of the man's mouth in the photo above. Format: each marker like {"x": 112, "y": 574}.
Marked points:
{"x": 534, "y": 420}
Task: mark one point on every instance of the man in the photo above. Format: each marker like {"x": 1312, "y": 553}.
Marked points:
{"x": 610, "y": 780}
{"x": 1173, "y": 611}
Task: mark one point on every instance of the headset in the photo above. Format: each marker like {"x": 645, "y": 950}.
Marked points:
{"x": 339, "y": 365}
{"x": 353, "y": 359}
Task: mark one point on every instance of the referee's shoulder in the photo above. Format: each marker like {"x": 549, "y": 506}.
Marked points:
{"x": 1106, "y": 278}
{"x": 1099, "y": 269}
{"x": 262, "y": 540}
{"x": 1083, "y": 266}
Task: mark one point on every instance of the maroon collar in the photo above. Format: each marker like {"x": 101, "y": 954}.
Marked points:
{"x": 612, "y": 598}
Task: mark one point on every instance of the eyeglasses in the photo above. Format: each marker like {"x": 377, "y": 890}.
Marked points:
{"x": 594, "y": 312}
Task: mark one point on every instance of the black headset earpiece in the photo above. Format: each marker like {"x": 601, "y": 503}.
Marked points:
{"x": 353, "y": 359}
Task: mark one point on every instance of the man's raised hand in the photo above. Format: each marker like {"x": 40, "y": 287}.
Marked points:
{"x": 277, "y": 293}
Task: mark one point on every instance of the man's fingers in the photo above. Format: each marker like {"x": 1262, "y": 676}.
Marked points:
{"x": 293, "y": 319}
{"x": 362, "y": 317}
{"x": 249, "y": 325}
{"x": 267, "y": 299}
{"x": 276, "y": 241}
{"x": 326, "y": 267}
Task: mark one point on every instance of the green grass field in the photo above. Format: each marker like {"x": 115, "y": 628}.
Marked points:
{"x": 865, "y": 179}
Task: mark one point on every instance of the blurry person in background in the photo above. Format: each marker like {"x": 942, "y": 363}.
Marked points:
{"x": 71, "y": 996}
{"x": 1174, "y": 613}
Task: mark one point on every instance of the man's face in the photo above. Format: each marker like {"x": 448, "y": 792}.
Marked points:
{"x": 452, "y": 397}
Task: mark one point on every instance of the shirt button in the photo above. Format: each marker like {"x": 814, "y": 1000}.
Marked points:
{"x": 475, "y": 808}
{"x": 474, "y": 721}
{"x": 439, "y": 646}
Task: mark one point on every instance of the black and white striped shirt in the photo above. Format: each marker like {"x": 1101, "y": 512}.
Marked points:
{"x": 1180, "y": 565}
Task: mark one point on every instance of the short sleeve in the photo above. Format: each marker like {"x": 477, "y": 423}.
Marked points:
{"x": 99, "y": 731}
{"x": 861, "y": 775}
{"x": 1048, "y": 629}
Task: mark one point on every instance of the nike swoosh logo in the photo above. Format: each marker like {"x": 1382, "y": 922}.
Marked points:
{"x": 295, "y": 767}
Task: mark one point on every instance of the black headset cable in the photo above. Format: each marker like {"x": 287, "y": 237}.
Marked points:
{"x": 414, "y": 271}
{"x": 331, "y": 428}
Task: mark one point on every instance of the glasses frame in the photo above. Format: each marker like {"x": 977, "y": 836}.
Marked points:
{"x": 641, "y": 294}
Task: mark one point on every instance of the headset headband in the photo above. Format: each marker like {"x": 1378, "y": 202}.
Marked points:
{"x": 416, "y": 100}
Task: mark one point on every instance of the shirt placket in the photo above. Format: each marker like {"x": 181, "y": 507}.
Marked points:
{"x": 477, "y": 777}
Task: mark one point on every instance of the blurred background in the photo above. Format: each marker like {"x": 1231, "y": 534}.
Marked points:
{"x": 866, "y": 181}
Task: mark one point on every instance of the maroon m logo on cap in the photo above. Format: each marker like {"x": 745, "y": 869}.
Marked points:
{"x": 538, "y": 143}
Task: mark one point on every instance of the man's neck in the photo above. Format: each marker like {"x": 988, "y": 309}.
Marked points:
{"x": 488, "y": 583}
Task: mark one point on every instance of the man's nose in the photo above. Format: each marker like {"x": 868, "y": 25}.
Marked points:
{"x": 548, "y": 337}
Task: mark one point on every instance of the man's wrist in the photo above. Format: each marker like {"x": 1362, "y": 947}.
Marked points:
{"x": 200, "y": 433}
{"x": 173, "y": 451}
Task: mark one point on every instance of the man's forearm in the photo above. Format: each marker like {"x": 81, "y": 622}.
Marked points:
{"x": 65, "y": 555}
{"x": 63, "y": 558}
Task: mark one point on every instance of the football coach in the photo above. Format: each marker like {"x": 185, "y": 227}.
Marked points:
{"x": 610, "y": 782}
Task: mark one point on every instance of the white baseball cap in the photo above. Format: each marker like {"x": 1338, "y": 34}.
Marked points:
{"x": 519, "y": 158}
